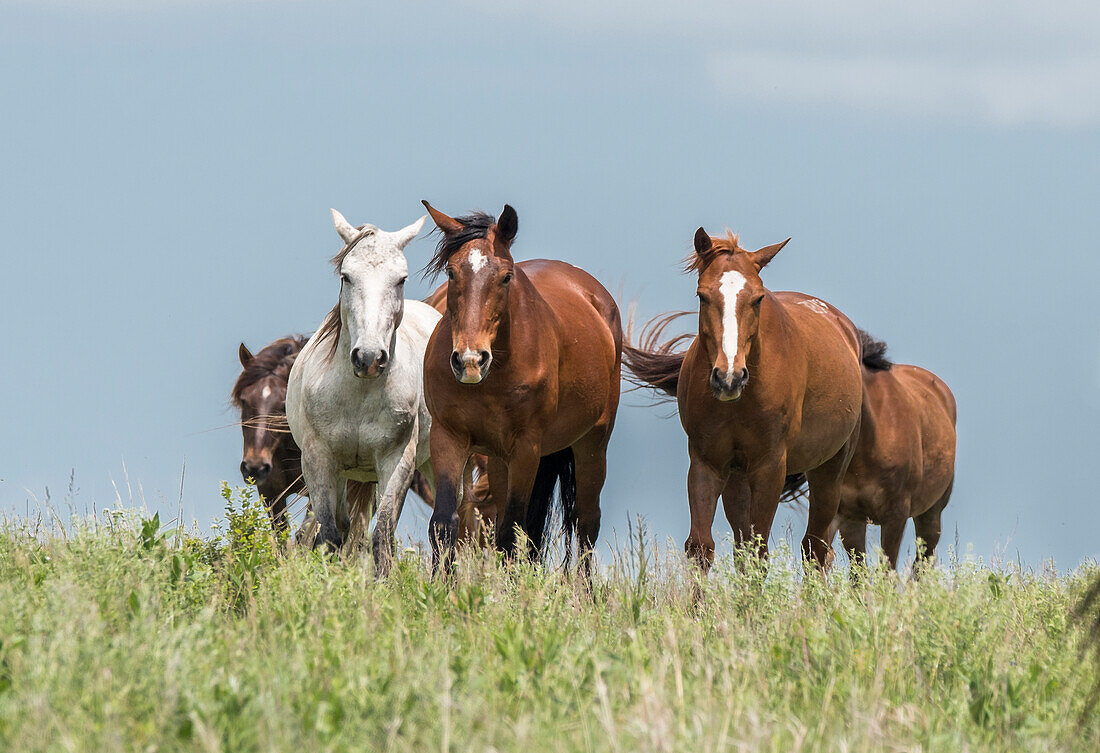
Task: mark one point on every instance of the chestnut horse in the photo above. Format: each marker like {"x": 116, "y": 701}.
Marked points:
{"x": 770, "y": 388}
{"x": 272, "y": 459}
{"x": 523, "y": 367}
{"x": 904, "y": 463}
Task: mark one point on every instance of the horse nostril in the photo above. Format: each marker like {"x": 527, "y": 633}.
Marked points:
{"x": 382, "y": 358}
{"x": 244, "y": 470}
{"x": 482, "y": 358}
{"x": 456, "y": 361}
{"x": 356, "y": 358}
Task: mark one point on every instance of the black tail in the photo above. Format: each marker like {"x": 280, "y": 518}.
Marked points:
{"x": 874, "y": 353}
{"x": 653, "y": 363}
{"x": 794, "y": 488}
{"x": 557, "y": 469}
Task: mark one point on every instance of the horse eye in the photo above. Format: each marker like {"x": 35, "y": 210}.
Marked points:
{"x": 450, "y": 274}
{"x": 401, "y": 281}
{"x": 344, "y": 278}
{"x": 507, "y": 278}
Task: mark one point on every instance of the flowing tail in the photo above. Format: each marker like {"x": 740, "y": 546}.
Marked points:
{"x": 874, "y": 353}
{"x": 654, "y": 364}
{"x": 557, "y": 469}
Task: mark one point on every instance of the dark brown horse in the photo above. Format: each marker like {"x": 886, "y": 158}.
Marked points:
{"x": 770, "y": 388}
{"x": 904, "y": 463}
{"x": 271, "y": 457}
{"x": 524, "y": 368}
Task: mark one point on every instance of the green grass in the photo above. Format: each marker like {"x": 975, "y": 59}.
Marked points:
{"x": 118, "y": 637}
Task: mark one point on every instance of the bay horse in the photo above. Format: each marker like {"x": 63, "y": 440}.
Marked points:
{"x": 771, "y": 387}
{"x": 355, "y": 398}
{"x": 904, "y": 462}
{"x": 524, "y": 367}
{"x": 272, "y": 459}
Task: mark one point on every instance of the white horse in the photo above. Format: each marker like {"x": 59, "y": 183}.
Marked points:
{"x": 355, "y": 398}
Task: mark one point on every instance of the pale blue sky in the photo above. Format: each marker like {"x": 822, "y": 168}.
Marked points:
{"x": 166, "y": 170}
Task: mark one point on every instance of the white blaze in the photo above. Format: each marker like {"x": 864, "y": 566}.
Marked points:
{"x": 477, "y": 260}
{"x": 266, "y": 392}
{"x": 729, "y": 286}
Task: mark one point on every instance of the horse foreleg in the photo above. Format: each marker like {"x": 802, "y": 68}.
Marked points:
{"x": 394, "y": 478}
{"x": 824, "y": 505}
{"x": 891, "y": 531}
{"x": 523, "y": 466}
{"x": 704, "y": 484}
{"x": 766, "y": 481}
{"x": 853, "y": 535}
{"x": 327, "y": 492}
{"x": 450, "y": 453}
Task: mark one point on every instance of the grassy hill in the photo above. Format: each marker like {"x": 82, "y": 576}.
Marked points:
{"x": 117, "y": 636}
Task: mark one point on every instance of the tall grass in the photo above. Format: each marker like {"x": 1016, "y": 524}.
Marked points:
{"x": 118, "y": 636}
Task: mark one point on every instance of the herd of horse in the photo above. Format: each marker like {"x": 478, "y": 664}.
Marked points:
{"x": 503, "y": 385}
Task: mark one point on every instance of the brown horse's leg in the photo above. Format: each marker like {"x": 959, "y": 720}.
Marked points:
{"x": 737, "y": 504}
{"x": 449, "y": 456}
{"x": 523, "y": 466}
{"x": 273, "y": 490}
{"x": 766, "y": 482}
{"x": 421, "y": 488}
{"x": 892, "y": 530}
{"x": 929, "y": 528}
{"x": 853, "y": 534}
{"x": 824, "y": 503}
{"x": 704, "y": 486}
{"x": 590, "y": 457}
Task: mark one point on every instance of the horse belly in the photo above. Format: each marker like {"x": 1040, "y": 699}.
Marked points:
{"x": 829, "y": 417}
{"x": 584, "y": 398}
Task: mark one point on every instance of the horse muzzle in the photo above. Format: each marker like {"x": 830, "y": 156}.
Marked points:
{"x": 470, "y": 366}
{"x": 368, "y": 363}
{"x": 728, "y": 386}
{"x": 257, "y": 471}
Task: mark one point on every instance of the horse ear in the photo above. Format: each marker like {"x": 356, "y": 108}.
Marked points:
{"x": 507, "y": 225}
{"x": 761, "y": 257}
{"x": 245, "y": 355}
{"x": 406, "y": 234}
{"x": 343, "y": 228}
{"x": 447, "y": 224}
{"x": 703, "y": 244}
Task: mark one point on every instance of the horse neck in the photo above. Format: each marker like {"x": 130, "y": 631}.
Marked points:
{"x": 527, "y": 310}
{"x": 771, "y": 338}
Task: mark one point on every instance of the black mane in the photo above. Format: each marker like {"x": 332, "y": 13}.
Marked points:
{"x": 474, "y": 226}
{"x": 273, "y": 360}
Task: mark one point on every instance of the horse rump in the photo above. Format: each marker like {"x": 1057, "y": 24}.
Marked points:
{"x": 557, "y": 469}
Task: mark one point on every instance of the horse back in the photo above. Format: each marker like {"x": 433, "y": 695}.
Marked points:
{"x": 575, "y": 295}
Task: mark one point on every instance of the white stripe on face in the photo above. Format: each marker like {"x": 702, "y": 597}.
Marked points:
{"x": 477, "y": 260}
{"x": 729, "y": 286}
